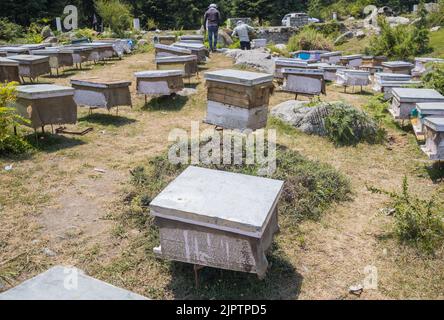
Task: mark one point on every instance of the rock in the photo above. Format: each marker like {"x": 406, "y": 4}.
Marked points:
{"x": 142, "y": 42}
{"x": 434, "y": 29}
{"x": 359, "y": 34}
{"x": 394, "y": 21}
{"x": 51, "y": 40}
{"x": 356, "y": 290}
{"x": 224, "y": 38}
{"x": 186, "y": 92}
{"x": 49, "y": 252}
{"x": 385, "y": 11}
{"x": 259, "y": 59}
{"x": 281, "y": 46}
{"x": 343, "y": 37}
{"x": 46, "y": 32}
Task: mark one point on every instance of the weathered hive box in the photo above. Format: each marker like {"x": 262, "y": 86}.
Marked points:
{"x": 54, "y": 284}
{"x": 168, "y": 39}
{"x": 120, "y": 46}
{"x": 32, "y": 66}
{"x": 80, "y": 54}
{"x": 423, "y": 111}
{"x": 304, "y": 81}
{"x": 12, "y": 51}
{"x": 259, "y": 43}
{"x": 373, "y": 61}
{"x": 229, "y": 227}
{"x": 9, "y": 70}
{"x": 281, "y": 63}
{"x": 238, "y": 99}
{"x": 401, "y": 67}
{"x": 163, "y": 50}
{"x": 57, "y": 58}
{"x": 46, "y": 104}
{"x": 331, "y": 57}
{"x": 199, "y": 50}
{"x": 188, "y": 64}
{"x": 347, "y": 77}
{"x": 434, "y": 132}
{"x": 192, "y": 38}
{"x": 351, "y": 61}
{"x": 385, "y": 82}
{"x": 328, "y": 69}
{"x": 421, "y": 65}
{"x": 99, "y": 50}
{"x": 160, "y": 82}
{"x": 405, "y": 99}
{"x": 97, "y": 93}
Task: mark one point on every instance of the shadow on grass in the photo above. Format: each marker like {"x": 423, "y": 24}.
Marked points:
{"x": 167, "y": 103}
{"x": 281, "y": 282}
{"x": 52, "y": 142}
{"x": 106, "y": 119}
{"x": 436, "y": 172}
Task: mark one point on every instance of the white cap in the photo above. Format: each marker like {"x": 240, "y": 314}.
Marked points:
{"x": 213, "y": 5}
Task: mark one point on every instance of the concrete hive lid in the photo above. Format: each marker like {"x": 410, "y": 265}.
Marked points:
{"x": 75, "y": 49}
{"x": 191, "y": 45}
{"x": 48, "y": 51}
{"x": 191, "y": 37}
{"x": 396, "y": 64}
{"x": 392, "y": 76}
{"x": 431, "y": 108}
{"x": 98, "y": 45}
{"x": 14, "y": 49}
{"x": 303, "y": 71}
{"x": 41, "y": 91}
{"x": 158, "y": 73}
{"x": 29, "y": 58}
{"x": 401, "y": 84}
{"x": 435, "y": 123}
{"x": 8, "y": 62}
{"x": 101, "y": 83}
{"x": 354, "y": 72}
{"x": 352, "y": 56}
{"x": 417, "y": 95}
{"x": 291, "y": 62}
{"x": 221, "y": 200}
{"x": 331, "y": 54}
{"x": 33, "y": 46}
{"x": 428, "y": 59}
{"x": 176, "y": 59}
{"x": 56, "y": 284}
{"x": 246, "y": 78}
{"x": 172, "y": 48}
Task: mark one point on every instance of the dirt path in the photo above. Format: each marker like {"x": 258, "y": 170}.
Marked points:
{"x": 57, "y": 199}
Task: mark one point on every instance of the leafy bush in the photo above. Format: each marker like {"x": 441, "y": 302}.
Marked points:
{"x": 33, "y": 33}
{"x": 9, "y": 30}
{"x": 435, "y": 78}
{"x": 346, "y": 125}
{"x": 115, "y": 14}
{"x": 328, "y": 29}
{"x": 436, "y": 18}
{"x": 418, "y": 222}
{"x": 9, "y": 142}
{"x": 309, "y": 39}
{"x": 85, "y": 33}
{"x": 273, "y": 49}
{"x": 421, "y": 33}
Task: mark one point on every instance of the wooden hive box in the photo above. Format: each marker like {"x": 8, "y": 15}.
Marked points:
{"x": 199, "y": 50}
{"x": 304, "y": 81}
{"x": 13, "y": 51}
{"x": 328, "y": 69}
{"x": 400, "y": 67}
{"x": 163, "y": 50}
{"x": 9, "y": 70}
{"x": 331, "y": 57}
{"x": 97, "y": 93}
{"x": 57, "y": 58}
{"x": 238, "y": 99}
{"x": 351, "y": 61}
{"x": 32, "y": 66}
{"x": 188, "y": 64}
{"x": 405, "y": 99}
{"x": 434, "y": 134}
{"x": 159, "y": 82}
{"x": 46, "y": 104}
{"x": 229, "y": 227}
{"x": 80, "y": 54}
{"x": 425, "y": 110}
{"x": 166, "y": 39}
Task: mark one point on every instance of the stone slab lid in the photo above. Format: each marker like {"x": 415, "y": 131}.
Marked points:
{"x": 428, "y": 59}
{"x": 47, "y": 51}
{"x": 29, "y": 58}
{"x": 392, "y": 76}
{"x": 190, "y": 45}
{"x": 417, "y": 95}
{"x": 41, "y": 91}
{"x": 246, "y": 78}
{"x": 158, "y": 73}
{"x": 14, "y": 49}
{"x": 175, "y": 59}
{"x": 191, "y": 37}
{"x": 75, "y": 49}
{"x": 97, "y": 45}
{"x": 167, "y": 36}
{"x": 331, "y": 54}
{"x": 390, "y": 83}
{"x": 431, "y": 108}
{"x": 67, "y": 283}
{"x": 96, "y": 82}
{"x": 172, "y": 48}
{"x": 290, "y": 62}
{"x": 302, "y": 71}
{"x": 352, "y": 57}
{"x": 397, "y": 64}
{"x": 354, "y": 72}
{"x": 34, "y": 46}
{"x": 435, "y": 123}
{"x": 221, "y": 200}
{"x": 8, "y": 62}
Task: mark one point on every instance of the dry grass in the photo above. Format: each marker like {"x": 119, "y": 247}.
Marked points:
{"x": 55, "y": 199}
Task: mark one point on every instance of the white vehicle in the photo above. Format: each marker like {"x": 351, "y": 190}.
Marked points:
{"x": 296, "y": 19}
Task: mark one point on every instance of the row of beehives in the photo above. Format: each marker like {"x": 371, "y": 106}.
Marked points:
{"x": 34, "y": 60}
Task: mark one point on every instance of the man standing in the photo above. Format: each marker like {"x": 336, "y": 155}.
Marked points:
{"x": 241, "y": 31}
{"x": 211, "y": 24}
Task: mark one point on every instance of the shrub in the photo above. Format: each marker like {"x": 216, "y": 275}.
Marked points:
{"x": 421, "y": 34}
{"x": 273, "y": 49}
{"x": 328, "y": 29}
{"x": 346, "y": 125}
{"x": 418, "y": 222}
{"x": 9, "y": 30}
{"x": 115, "y": 14}
{"x": 435, "y": 78}
{"x": 309, "y": 39}
{"x": 436, "y": 18}
{"x": 9, "y": 142}
{"x": 85, "y": 33}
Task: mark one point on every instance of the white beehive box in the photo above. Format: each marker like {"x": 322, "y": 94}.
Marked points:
{"x": 425, "y": 110}
{"x": 304, "y": 81}
{"x": 238, "y": 99}
{"x": 434, "y": 132}
{"x": 188, "y": 64}
{"x": 281, "y": 63}
{"x": 401, "y": 67}
{"x": 329, "y": 70}
{"x": 385, "y": 82}
{"x": 198, "y": 49}
{"x": 347, "y": 77}
{"x": 405, "y": 99}
{"x": 218, "y": 219}
{"x": 259, "y": 43}
{"x": 331, "y": 57}
{"x": 159, "y": 82}
{"x": 351, "y": 61}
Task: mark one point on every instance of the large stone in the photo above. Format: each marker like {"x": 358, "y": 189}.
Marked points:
{"x": 259, "y": 59}
{"x": 360, "y": 34}
{"x": 344, "y": 37}
{"x": 434, "y": 29}
{"x": 46, "y": 32}
{"x": 51, "y": 40}
{"x": 224, "y": 38}
{"x": 395, "y": 21}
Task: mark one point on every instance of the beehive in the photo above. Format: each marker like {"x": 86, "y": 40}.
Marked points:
{"x": 281, "y": 63}
{"x": 351, "y": 61}
{"x": 347, "y": 77}
{"x": 329, "y": 70}
{"x": 167, "y": 39}
{"x": 12, "y": 51}
{"x": 331, "y": 57}
{"x": 385, "y": 82}
{"x": 423, "y": 111}
{"x": 163, "y": 50}
{"x": 32, "y": 66}
{"x": 193, "y": 38}
{"x": 217, "y": 219}
{"x": 46, "y": 104}
{"x": 9, "y": 70}
{"x": 57, "y": 58}
{"x": 401, "y": 67}
{"x": 199, "y": 50}
{"x": 304, "y": 81}
{"x": 434, "y": 135}
{"x": 238, "y": 99}
{"x": 188, "y": 64}
{"x": 405, "y": 99}
{"x": 99, "y": 93}
{"x": 160, "y": 82}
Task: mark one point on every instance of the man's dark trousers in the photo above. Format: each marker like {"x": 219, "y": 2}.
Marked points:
{"x": 212, "y": 37}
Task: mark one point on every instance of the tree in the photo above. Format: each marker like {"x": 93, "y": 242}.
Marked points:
{"x": 115, "y": 14}
{"x": 421, "y": 34}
